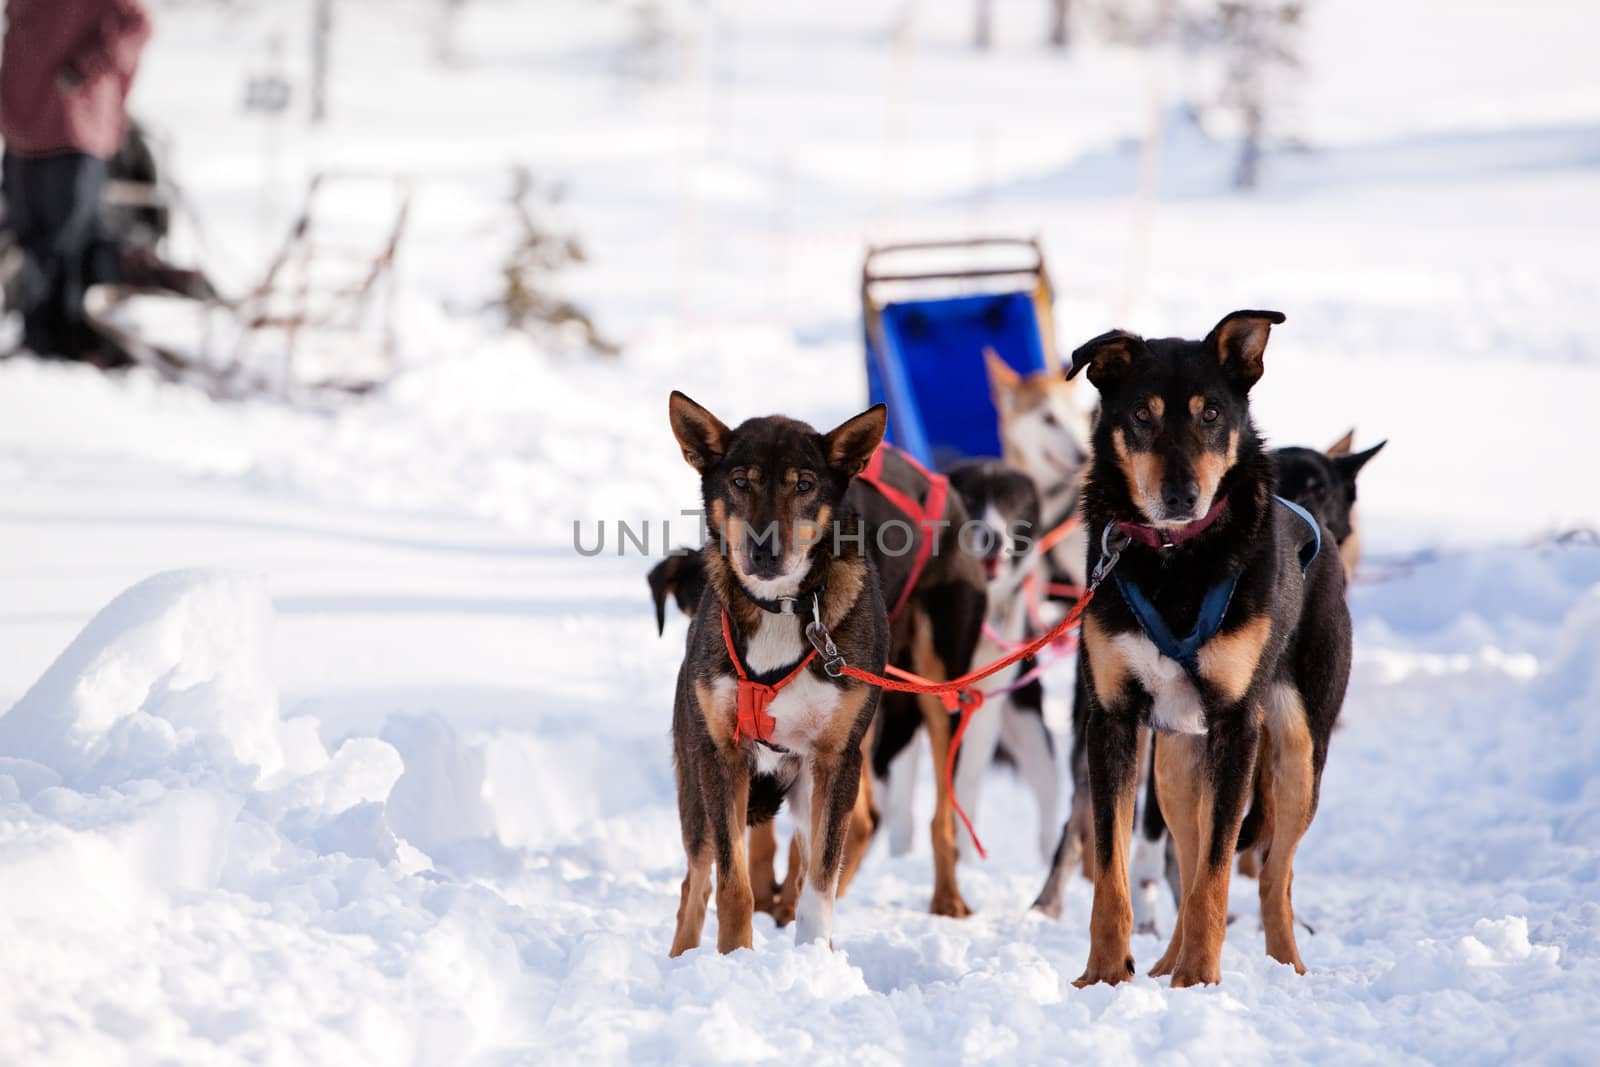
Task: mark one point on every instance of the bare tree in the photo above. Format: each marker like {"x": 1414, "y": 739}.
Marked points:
{"x": 1060, "y": 29}
{"x": 321, "y": 37}
{"x": 1259, "y": 41}
{"x": 983, "y": 31}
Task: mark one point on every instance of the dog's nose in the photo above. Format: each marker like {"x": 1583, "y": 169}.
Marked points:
{"x": 764, "y": 553}
{"x": 1179, "y": 498}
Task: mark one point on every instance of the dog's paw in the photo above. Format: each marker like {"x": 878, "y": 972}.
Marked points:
{"x": 1049, "y": 906}
{"x": 1111, "y": 973}
{"x": 950, "y": 905}
{"x": 1185, "y": 975}
{"x": 782, "y": 912}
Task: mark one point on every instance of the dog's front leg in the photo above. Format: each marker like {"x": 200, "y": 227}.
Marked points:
{"x": 835, "y": 777}
{"x": 1223, "y": 771}
{"x": 1113, "y": 748}
{"x": 727, "y": 804}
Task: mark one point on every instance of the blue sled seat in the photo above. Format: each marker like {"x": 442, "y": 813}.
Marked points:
{"x": 925, "y": 361}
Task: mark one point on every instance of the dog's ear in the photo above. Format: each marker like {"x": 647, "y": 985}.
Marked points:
{"x": 1003, "y": 380}
{"x": 1240, "y": 340}
{"x": 700, "y": 434}
{"x": 1343, "y": 445}
{"x": 850, "y": 445}
{"x": 1350, "y": 465}
{"x": 1108, "y": 357}
{"x": 664, "y": 583}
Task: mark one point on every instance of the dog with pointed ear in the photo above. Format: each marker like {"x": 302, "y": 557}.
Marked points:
{"x": 1043, "y": 431}
{"x": 758, "y": 707}
{"x": 1240, "y": 341}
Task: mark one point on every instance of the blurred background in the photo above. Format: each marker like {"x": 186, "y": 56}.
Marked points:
{"x": 516, "y": 193}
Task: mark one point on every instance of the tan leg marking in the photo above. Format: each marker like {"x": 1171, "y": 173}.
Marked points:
{"x": 1289, "y": 782}
{"x": 1204, "y": 914}
{"x": 1106, "y": 663}
{"x": 1228, "y": 661}
{"x": 1205, "y": 905}
{"x": 947, "y": 898}
{"x": 1178, "y": 790}
{"x": 862, "y": 821}
{"x": 794, "y": 878}
{"x": 735, "y": 904}
{"x": 692, "y": 901}
{"x": 1111, "y": 917}
{"x": 719, "y": 715}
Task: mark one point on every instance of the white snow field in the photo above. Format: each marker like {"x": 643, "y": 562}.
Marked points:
{"x": 324, "y": 746}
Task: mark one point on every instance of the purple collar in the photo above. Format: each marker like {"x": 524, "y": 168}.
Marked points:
{"x": 1158, "y": 537}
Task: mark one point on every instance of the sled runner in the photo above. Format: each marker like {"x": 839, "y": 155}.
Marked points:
{"x": 320, "y": 321}
{"x": 929, "y": 310}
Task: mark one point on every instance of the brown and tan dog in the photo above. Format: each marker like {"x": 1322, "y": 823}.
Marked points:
{"x": 761, "y": 714}
{"x": 950, "y": 588}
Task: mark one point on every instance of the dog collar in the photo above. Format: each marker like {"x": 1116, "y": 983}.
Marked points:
{"x": 801, "y": 604}
{"x": 1159, "y": 537}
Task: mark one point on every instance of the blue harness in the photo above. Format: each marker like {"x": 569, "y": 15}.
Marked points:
{"x": 1186, "y": 651}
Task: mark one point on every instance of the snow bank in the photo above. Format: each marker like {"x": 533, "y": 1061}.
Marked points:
{"x": 168, "y": 678}
{"x": 156, "y": 811}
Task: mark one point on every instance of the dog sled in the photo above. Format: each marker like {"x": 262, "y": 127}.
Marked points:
{"x": 319, "y": 322}
{"x": 929, "y": 311}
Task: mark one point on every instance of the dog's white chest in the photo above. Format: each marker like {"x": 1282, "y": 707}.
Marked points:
{"x": 1175, "y": 703}
{"x": 803, "y": 708}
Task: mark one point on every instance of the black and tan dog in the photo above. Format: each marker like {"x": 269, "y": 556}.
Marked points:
{"x": 1324, "y": 483}
{"x": 934, "y": 634}
{"x": 1180, "y": 504}
{"x": 761, "y": 715}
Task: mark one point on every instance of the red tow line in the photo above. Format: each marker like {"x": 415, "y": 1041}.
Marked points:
{"x": 959, "y": 694}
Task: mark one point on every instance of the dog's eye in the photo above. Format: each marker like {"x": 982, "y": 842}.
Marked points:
{"x": 804, "y": 486}
{"x": 740, "y": 482}
{"x": 1049, "y": 418}
{"x": 1142, "y": 414}
{"x": 1210, "y": 413}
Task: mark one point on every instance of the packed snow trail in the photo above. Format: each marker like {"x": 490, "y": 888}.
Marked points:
{"x": 195, "y": 866}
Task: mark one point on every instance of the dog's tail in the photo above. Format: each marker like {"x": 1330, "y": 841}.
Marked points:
{"x": 1250, "y": 829}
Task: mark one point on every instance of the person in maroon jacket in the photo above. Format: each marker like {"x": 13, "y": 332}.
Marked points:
{"x": 65, "y": 71}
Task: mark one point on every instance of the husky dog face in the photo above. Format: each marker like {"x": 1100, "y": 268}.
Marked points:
{"x": 1004, "y": 505}
{"x": 1175, "y": 414}
{"x": 1043, "y": 431}
{"x": 772, "y": 486}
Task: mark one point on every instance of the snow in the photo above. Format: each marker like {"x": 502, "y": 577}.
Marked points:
{"x": 319, "y": 743}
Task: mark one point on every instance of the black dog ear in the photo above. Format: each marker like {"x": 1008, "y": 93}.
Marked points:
{"x": 1108, "y": 356}
{"x": 1350, "y": 465}
{"x": 664, "y": 583}
{"x": 700, "y": 434}
{"x": 1240, "y": 340}
{"x": 850, "y": 444}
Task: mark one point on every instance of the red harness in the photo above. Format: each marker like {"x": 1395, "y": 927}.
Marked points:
{"x": 754, "y": 698}
{"x": 930, "y": 510}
